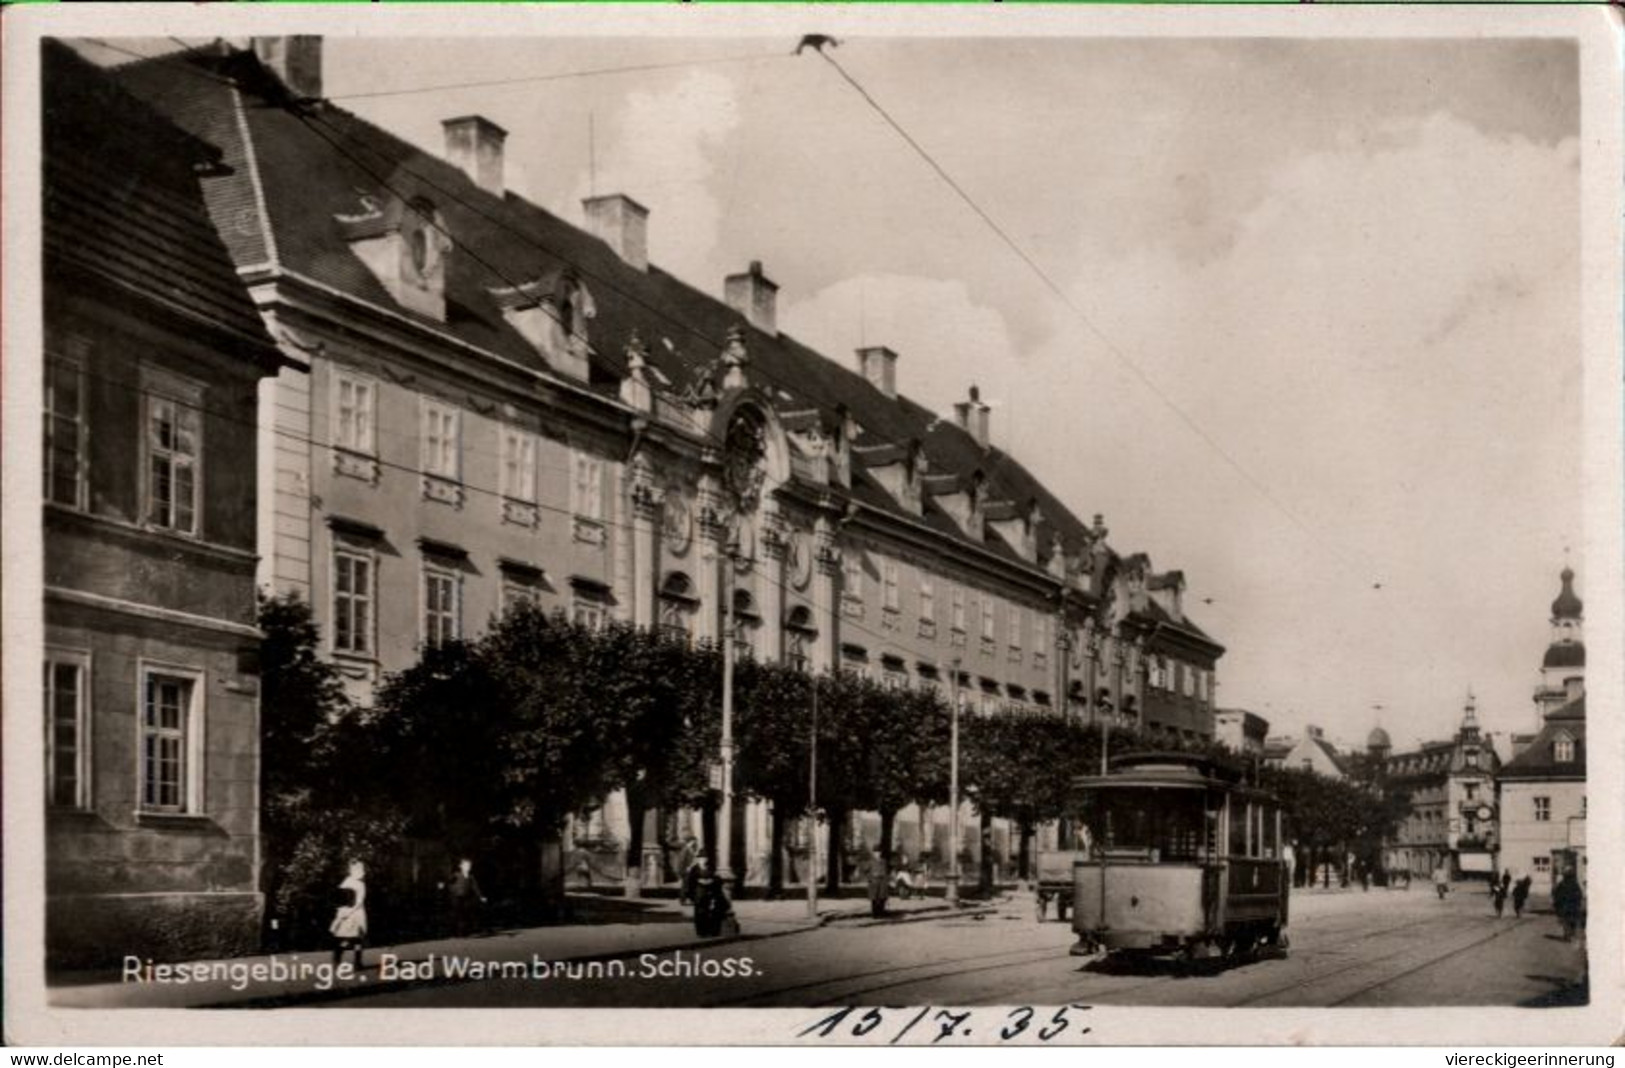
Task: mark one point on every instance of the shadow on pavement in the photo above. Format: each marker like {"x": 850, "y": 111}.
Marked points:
{"x": 1175, "y": 967}
{"x": 1564, "y": 995}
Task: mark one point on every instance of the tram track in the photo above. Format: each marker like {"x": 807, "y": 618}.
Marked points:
{"x": 1499, "y": 932}
{"x": 1320, "y": 977}
{"x": 1036, "y": 954}
{"x": 826, "y": 991}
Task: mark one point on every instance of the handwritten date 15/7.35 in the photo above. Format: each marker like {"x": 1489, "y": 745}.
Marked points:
{"x": 930, "y": 1024}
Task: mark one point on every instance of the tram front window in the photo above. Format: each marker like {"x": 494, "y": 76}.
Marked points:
{"x": 1161, "y": 826}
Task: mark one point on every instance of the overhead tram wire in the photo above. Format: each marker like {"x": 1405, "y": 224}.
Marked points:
{"x": 1066, "y": 300}
{"x": 560, "y": 76}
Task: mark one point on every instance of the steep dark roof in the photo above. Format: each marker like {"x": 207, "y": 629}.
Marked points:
{"x": 315, "y": 166}
{"x": 1565, "y": 654}
{"x": 1539, "y": 760}
{"x": 122, "y": 201}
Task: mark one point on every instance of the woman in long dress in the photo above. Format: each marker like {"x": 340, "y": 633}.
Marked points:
{"x": 349, "y": 927}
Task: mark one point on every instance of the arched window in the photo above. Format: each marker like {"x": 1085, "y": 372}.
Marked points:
{"x": 799, "y": 635}
{"x": 746, "y": 622}
{"x": 677, "y": 606}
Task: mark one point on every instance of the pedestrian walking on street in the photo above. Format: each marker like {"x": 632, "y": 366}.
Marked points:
{"x": 1568, "y": 901}
{"x": 713, "y": 912}
{"x": 465, "y": 897}
{"x": 879, "y": 884}
{"x": 1520, "y": 894}
{"x": 691, "y": 869}
{"x": 1441, "y": 881}
{"x": 1506, "y": 881}
{"x": 1498, "y": 895}
{"x": 349, "y": 926}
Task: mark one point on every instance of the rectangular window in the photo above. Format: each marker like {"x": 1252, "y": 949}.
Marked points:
{"x": 989, "y": 629}
{"x": 1563, "y": 751}
{"x": 1541, "y": 865}
{"x": 174, "y": 448}
{"x": 1018, "y": 621}
{"x": 891, "y": 598}
{"x": 168, "y": 731}
{"x": 66, "y": 754}
{"x": 928, "y": 598}
{"x": 352, "y": 601}
{"x": 1543, "y": 810}
{"x": 589, "y": 613}
{"x": 958, "y": 608}
{"x": 354, "y": 402}
{"x": 64, "y": 434}
{"x": 518, "y": 465}
{"x": 442, "y": 453}
{"x": 516, "y": 592}
{"x": 442, "y": 608}
{"x": 587, "y": 486}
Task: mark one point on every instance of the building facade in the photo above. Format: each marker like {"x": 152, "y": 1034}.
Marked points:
{"x": 1241, "y": 730}
{"x": 1453, "y": 819}
{"x": 1311, "y": 752}
{"x": 489, "y": 404}
{"x": 1543, "y": 787}
{"x": 151, "y": 359}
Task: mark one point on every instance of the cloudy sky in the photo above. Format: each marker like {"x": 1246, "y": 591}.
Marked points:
{"x": 1320, "y": 347}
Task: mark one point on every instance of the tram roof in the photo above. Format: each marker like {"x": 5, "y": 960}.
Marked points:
{"x": 1173, "y": 770}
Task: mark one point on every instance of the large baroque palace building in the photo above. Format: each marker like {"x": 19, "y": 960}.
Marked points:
{"x": 491, "y": 404}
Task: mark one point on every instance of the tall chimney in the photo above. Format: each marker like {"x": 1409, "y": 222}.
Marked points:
{"x": 753, "y": 295}
{"x": 297, "y": 60}
{"x": 474, "y": 143}
{"x": 622, "y": 224}
{"x": 878, "y": 364}
{"x": 971, "y": 415}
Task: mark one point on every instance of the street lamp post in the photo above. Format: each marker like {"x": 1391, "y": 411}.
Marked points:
{"x": 812, "y": 810}
{"x": 952, "y": 889}
{"x": 725, "y": 816}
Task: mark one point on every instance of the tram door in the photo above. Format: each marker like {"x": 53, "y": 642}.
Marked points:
{"x": 1254, "y": 881}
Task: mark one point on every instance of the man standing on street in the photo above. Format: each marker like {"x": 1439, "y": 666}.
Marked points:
{"x": 464, "y": 894}
{"x": 1441, "y": 880}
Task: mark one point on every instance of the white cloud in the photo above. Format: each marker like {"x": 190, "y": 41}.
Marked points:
{"x": 668, "y": 149}
{"x": 1390, "y": 345}
{"x": 945, "y": 341}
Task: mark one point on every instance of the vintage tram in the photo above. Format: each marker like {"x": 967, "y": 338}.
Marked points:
{"x": 1179, "y": 855}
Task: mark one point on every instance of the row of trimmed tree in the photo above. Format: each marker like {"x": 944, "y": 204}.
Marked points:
{"x": 499, "y": 740}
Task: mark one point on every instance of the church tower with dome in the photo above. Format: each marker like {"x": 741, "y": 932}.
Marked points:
{"x": 1562, "y": 671}
{"x": 1542, "y": 789}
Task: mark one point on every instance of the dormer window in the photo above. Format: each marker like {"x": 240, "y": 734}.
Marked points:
{"x": 1563, "y": 749}
{"x": 551, "y": 312}
{"x": 404, "y": 246}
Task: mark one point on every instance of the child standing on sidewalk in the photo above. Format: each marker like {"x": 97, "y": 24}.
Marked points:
{"x": 349, "y": 926}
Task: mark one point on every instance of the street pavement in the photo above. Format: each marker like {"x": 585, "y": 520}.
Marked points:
{"x": 1348, "y": 948}
{"x": 610, "y": 928}
{"x": 1373, "y": 948}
